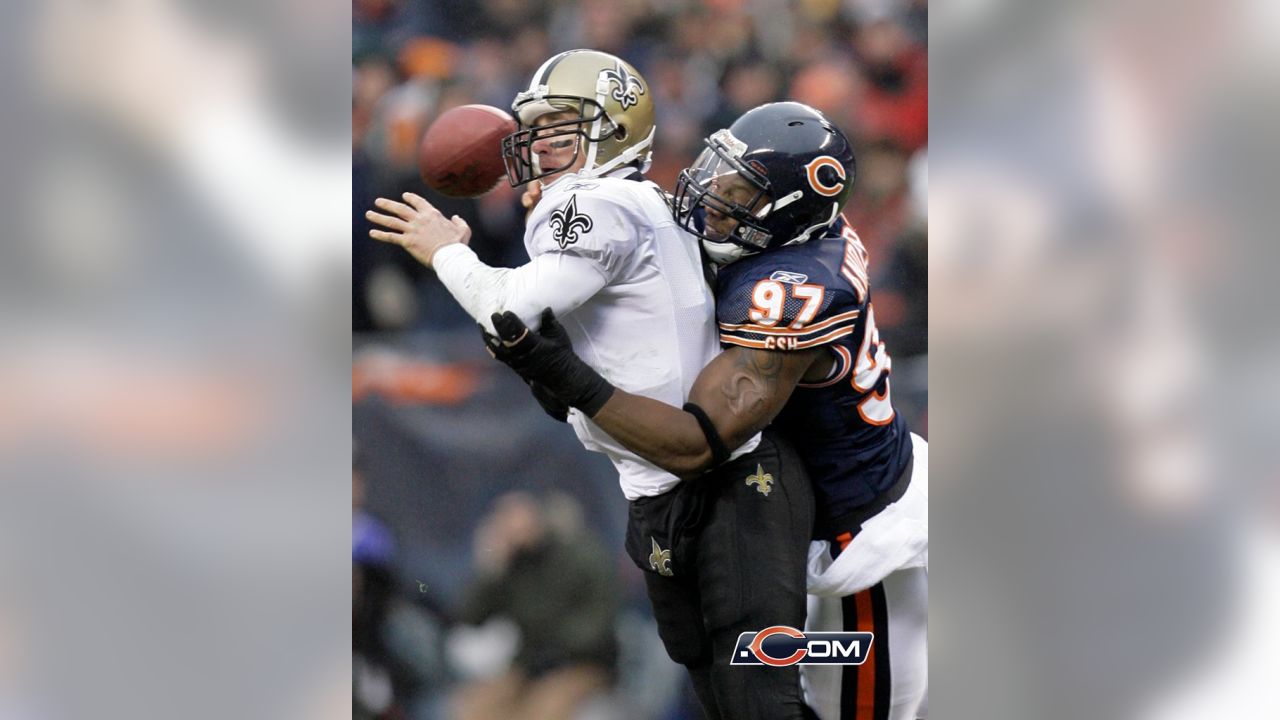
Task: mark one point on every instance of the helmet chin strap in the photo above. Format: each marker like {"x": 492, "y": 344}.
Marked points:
{"x": 804, "y": 236}
{"x": 625, "y": 157}
{"x": 589, "y": 168}
{"x": 781, "y": 203}
{"x": 723, "y": 253}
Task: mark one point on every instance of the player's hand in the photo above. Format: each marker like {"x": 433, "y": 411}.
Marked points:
{"x": 532, "y": 194}
{"x": 518, "y": 340}
{"x": 550, "y": 403}
{"x": 417, "y": 226}
{"x": 546, "y": 357}
{"x": 529, "y": 352}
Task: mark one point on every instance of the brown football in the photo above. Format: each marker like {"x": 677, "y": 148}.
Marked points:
{"x": 461, "y": 154}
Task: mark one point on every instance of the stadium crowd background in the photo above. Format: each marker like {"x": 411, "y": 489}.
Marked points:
{"x": 440, "y": 429}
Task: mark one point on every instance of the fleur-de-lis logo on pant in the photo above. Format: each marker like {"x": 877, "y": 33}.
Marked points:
{"x": 762, "y": 480}
{"x": 567, "y": 224}
{"x": 659, "y": 559}
{"x": 628, "y": 87}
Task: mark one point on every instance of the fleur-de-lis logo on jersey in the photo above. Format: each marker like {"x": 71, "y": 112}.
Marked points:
{"x": 659, "y": 559}
{"x": 762, "y": 480}
{"x": 628, "y": 87}
{"x": 567, "y": 224}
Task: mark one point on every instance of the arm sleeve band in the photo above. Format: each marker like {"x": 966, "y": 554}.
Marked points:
{"x": 719, "y": 453}
{"x": 559, "y": 281}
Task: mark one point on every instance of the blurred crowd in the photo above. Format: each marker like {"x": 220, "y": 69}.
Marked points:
{"x": 534, "y": 636}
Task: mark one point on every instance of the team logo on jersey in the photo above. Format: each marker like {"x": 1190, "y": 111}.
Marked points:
{"x": 762, "y": 480}
{"x": 567, "y": 224}
{"x": 659, "y": 559}
{"x": 629, "y": 88}
{"x": 780, "y": 646}
{"x": 823, "y": 188}
{"x": 792, "y": 278}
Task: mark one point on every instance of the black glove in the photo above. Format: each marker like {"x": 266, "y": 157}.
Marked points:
{"x": 553, "y": 406}
{"x": 546, "y": 358}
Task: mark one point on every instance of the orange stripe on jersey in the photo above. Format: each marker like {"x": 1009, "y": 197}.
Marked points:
{"x": 833, "y": 335}
{"x": 784, "y": 343}
{"x": 852, "y": 276}
{"x": 763, "y": 330}
{"x": 743, "y": 342}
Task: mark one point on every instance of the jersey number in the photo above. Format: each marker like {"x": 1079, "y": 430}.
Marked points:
{"x": 769, "y": 298}
{"x": 873, "y": 363}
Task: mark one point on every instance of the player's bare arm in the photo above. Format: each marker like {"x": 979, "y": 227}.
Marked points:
{"x": 417, "y": 226}
{"x": 752, "y": 381}
{"x": 740, "y": 391}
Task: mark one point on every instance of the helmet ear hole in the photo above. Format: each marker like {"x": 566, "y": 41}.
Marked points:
{"x": 620, "y": 133}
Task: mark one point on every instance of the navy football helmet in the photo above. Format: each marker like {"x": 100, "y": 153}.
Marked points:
{"x": 775, "y": 177}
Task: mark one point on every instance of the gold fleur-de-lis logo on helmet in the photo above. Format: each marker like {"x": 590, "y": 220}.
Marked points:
{"x": 762, "y": 480}
{"x": 659, "y": 559}
{"x": 628, "y": 87}
{"x": 567, "y": 224}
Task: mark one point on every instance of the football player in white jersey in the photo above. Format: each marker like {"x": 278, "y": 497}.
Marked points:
{"x": 721, "y": 556}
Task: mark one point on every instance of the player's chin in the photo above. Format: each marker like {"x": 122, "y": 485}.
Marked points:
{"x": 556, "y": 176}
{"x": 565, "y": 167}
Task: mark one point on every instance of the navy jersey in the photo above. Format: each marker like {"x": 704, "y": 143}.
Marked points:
{"x": 816, "y": 294}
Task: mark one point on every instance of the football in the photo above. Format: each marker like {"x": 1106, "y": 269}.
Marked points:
{"x": 461, "y": 153}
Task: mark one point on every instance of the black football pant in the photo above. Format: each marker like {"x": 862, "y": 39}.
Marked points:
{"x": 741, "y": 537}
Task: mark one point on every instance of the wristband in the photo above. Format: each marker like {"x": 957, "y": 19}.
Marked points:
{"x": 594, "y": 395}
{"x": 719, "y": 453}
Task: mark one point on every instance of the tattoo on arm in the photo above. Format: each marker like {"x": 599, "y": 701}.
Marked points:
{"x": 752, "y": 382}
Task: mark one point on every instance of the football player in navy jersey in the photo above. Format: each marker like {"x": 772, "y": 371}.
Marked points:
{"x": 801, "y": 351}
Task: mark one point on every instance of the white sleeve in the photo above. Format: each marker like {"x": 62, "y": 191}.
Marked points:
{"x": 559, "y": 281}
{"x": 594, "y": 225}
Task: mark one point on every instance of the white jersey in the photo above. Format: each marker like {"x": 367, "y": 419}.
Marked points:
{"x": 651, "y": 329}
{"x": 625, "y": 281}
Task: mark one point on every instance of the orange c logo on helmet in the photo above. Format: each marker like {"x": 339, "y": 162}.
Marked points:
{"x": 817, "y": 164}
{"x": 761, "y": 636}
